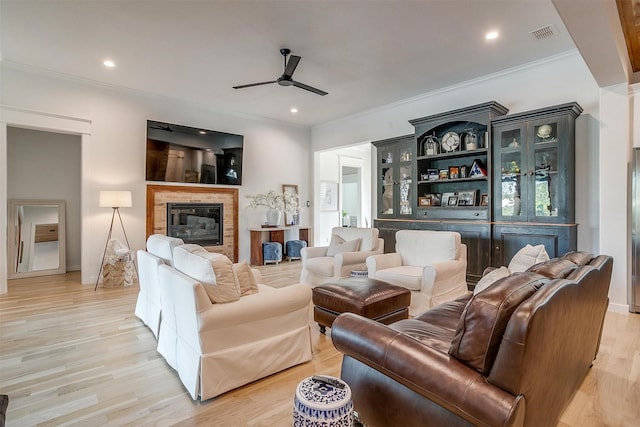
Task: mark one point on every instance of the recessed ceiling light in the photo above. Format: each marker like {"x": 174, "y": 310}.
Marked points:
{"x": 294, "y": 110}
{"x": 109, "y": 63}
{"x": 491, "y": 35}
{"x": 202, "y": 132}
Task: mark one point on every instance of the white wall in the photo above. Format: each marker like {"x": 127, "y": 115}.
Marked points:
{"x": 557, "y": 80}
{"x": 114, "y": 159}
{"x": 47, "y": 165}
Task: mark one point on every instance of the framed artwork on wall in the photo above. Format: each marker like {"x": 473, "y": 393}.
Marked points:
{"x": 328, "y": 196}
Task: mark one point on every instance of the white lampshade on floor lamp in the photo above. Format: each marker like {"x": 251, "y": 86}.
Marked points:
{"x": 115, "y": 200}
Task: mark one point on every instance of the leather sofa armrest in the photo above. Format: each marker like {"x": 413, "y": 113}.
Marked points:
{"x": 432, "y": 374}
{"x": 380, "y": 262}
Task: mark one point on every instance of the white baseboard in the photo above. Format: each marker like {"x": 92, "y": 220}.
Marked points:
{"x": 618, "y": 308}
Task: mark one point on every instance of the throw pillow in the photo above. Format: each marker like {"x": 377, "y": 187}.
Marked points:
{"x": 527, "y": 257}
{"x": 490, "y": 278}
{"x": 214, "y": 271}
{"x": 485, "y": 317}
{"x": 339, "y": 245}
{"x": 246, "y": 280}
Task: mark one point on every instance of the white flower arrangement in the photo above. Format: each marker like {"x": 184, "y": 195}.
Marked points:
{"x": 287, "y": 202}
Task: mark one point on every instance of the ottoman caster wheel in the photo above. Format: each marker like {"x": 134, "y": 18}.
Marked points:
{"x": 323, "y": 329}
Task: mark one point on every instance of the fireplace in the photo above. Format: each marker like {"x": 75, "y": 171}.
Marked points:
{"x": 200, "y": 223}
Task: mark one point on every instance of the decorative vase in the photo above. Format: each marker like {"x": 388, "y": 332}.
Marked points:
{"x": 273, "y": 216}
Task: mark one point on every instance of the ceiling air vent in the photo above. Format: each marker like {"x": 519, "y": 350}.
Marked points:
{"x": 544, "y": 32}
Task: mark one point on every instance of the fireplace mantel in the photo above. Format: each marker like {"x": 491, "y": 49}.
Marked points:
{"x": 159, "y": 195}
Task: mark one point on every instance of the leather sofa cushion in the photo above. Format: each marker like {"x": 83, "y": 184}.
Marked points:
{"x": 579, "y": 257}
{"x": 435, "y": 336}
{"x": 446, "y": 315}
{"x": 557, "y": 268}
{"x": 485, "y": 319}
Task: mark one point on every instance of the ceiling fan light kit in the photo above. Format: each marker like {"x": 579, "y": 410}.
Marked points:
{"x": 286, "y": 78}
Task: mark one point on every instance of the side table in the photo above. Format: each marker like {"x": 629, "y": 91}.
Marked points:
{"x": 319, "y": 404}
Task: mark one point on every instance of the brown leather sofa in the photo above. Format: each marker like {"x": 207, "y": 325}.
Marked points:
{"x": 512, "y": 355}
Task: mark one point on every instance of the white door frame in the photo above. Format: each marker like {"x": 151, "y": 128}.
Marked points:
{"x": 37, "y": 120}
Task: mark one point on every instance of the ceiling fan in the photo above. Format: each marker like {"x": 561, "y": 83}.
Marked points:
{"x": 285, "y": 79}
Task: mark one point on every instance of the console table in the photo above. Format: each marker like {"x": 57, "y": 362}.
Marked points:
{"x": 273, "y": 234}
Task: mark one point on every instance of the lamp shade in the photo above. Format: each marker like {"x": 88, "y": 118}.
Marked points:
{"x": 115, "y": 199}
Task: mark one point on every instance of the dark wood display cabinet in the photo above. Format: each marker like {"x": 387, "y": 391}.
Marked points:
{"x": 453, "y": 163}
{"x": 395, "y": 167}
{"x": 500, "y": 181}
{"x": 534, "y": 181}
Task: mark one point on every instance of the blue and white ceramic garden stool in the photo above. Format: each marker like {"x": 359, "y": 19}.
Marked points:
{"x": 321, "y": 404}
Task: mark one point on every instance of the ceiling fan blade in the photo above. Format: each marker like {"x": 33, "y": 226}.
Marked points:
{"x": 309, "y": 88}
{"x": 291, "y": 65}
{"x": 255, "y": 84}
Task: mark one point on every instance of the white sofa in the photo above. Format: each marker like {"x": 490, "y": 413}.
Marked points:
{"x": 319, "y": 265}
{"x": 216, "y": 347}
{"x": 431, "y": 264}
{"x": 159, "y": 251}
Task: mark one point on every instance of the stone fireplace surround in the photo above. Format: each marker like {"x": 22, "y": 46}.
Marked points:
{"x": 159, "y": 195}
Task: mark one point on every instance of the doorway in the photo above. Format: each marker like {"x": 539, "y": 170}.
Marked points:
{"x": 44, "y": 165}
{"x": 351, "y": 191}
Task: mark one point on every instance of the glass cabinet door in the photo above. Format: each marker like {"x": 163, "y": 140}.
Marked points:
{"x": 405, "y": 190}
{"x": 545, "y": 169}
{"x": 510, "y": 189}
{"x": 387, "y": 181}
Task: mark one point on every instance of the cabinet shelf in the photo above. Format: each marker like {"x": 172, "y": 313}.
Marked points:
{"x": 456, "y": 154}
{"x": 446, "y": 181}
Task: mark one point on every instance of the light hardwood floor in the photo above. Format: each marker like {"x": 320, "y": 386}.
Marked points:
{"x": 72, "y": 356}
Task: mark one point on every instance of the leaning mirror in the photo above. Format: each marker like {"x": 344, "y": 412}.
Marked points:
{"x": 36, "y": 244}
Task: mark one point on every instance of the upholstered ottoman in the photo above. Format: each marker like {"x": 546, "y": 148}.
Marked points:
{"x": 371, "y": 298}
{"x": 293, "y": 248}
{"x": 272, "y": 252}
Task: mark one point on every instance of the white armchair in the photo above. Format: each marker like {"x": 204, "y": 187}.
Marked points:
{"x": 216, "y": 347}
{"x": 431, "y": 264}
{"x": 159, "y": 251}
{"x": 348, "y": 251}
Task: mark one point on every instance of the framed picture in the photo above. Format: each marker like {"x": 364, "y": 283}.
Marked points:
{"x": 445, "y": 198}
{"x": 484, "y": 200}
{"x": 454, "y": 172}
{"x": 328, "y": 196}
{"x": 433, "y": 174}
{"x": 436, "y": 199}
{"x": 424, "y": 201}
{"x": 463, "y": 171}
{"x": 444, "y": 174}
{"x": 467, "y": 198}
{"x": 452, "y": 201}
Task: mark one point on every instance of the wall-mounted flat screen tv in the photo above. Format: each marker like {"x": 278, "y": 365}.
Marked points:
{"x": 178, "y": 153}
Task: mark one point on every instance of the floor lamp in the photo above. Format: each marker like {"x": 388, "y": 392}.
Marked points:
{"x": 115, "y": 200}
